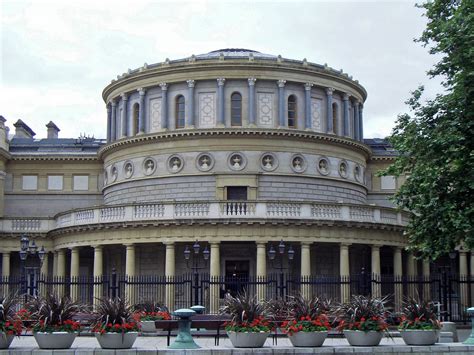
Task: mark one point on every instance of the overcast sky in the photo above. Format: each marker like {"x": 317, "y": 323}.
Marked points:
{"x": 57, "y": 56}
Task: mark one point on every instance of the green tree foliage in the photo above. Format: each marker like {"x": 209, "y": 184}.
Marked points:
{"x": 436, "y": 139}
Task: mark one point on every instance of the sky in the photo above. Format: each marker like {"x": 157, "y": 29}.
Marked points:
{"x": 57, "y": 56}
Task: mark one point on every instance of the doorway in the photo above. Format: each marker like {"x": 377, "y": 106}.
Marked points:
{"x": 236, "y": 276}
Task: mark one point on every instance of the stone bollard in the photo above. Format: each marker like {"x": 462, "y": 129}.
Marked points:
{"x": 470, "y": 340}
{"x": 446, "y": 337}
{"x": 451, "y": 328}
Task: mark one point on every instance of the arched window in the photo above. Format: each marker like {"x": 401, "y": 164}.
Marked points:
{"x": 335, "y": 115}
{"x": 135, "y": 118}
{"x": 179, "y": 112}
{"x": 236, "y": 109}
{"x": 292, "y": 111}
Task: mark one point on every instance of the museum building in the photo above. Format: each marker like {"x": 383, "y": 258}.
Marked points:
{"x": 235, "y": 149}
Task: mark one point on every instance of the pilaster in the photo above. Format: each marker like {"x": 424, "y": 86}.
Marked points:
{"x": 164, "y": 105}
{"x": 109, "y": 122}
{"x": 356, "y": 120}
{"x": 282, "y": 121}
{"x": 329, "y": 123}
{"x": 220, "y": 102}
{"x": 113, "y": 126}
{"x": 124, "y": 117}
{"x": 215, "y": 269}
{"x": 344, "y": 271}
{"x": 345, "y": 99}
{"x": 170, "y": 274}
{"x": 190, "y": 113}
{"x": 375, "y": 263}
{"x": 141, "y": 114}
{"x": 252, "y": 120}
{"x": 307, "y": 101}
{"x": 98, "y": 272}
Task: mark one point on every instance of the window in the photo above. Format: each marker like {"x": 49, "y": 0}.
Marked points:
{"x": 135, "y": 117}
{"x": 387, "y": 182}
{"x": 80, "y": 183}
{"x": 179, "y": 113}
{"x": 55, "y": 182}
{"x": 237, "y": 193}
{"x": 335, "y": 114}
{"x": 29, "y": 182}
{"x": 236, "y": 109}
{"x": 292, "y": 111}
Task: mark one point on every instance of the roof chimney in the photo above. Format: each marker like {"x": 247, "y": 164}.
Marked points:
{"x": 53, "y": 130}
{"x": 22, "y": 130}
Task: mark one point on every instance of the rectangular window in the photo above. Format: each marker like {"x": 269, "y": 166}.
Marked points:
{"x": 80, "y": 183}
{"x": 29, "y": 182}
{"x": 55, "y": 182}
{"x": 387, "y": 182}
{"x": 237, "y": 193}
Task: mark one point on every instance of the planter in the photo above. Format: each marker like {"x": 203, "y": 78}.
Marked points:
{"x": 54, "y": 340}
{"x": 5, "y": 340}
{"x": 420, "y": 337}
{"x": 247, "y": 340}
{"x": 360, "y": 338}
{"x": 148, "y": 326}
{"x": 116, "y": 340}
{"x": 308, "y": 339}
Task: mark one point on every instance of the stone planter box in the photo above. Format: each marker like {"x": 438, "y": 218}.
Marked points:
{"x": 116, "y": 340}
{"x": 148, "y": 326}
{"x": 54, "y": 340}
{"x": 308, "y": 339}
{"x": 5, "y": 340}
{"x": 247, "y": 340}
{"x": 419, "y": 337}
{"x": 360, "y": 338}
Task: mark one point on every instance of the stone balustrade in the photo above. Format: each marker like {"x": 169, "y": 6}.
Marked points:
{"x": 27, "y": 225}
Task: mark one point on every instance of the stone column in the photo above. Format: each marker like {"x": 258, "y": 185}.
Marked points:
{"x": 345, "y": 99}
{"x": 98, "y": 273}
{"x": 261, "y": 269}
{"x": 61, "y": 273}
{"x": 141, "y": 113}
{"x": 75, "y": 273}
{"x": 220, "y": 102}
{"x": 426, "y": 280}
{"x": 55, "y": 263}
{"x": 113, "y": 126}
{"x": 124, "y": 117}
{"x": 463, "y": 278}
{"x": 376, "y": 274}
{"x": 344, "y": 272}
{"x": 130, "y": 273}
{"x": 307, "y": 105}
{"x": 252, "y": 119}
{"x": 215, "y": 269}
{"x": 164, "y": 105}
{"x": 361, "y": 124}
{"x": 45, "y": 265}
{"x": 5, "y": 269}
{"x": 412, "y": 274}
{"x": 398, "y": 274}
{"x": 109, "y": 122}
{"x": 329, "y": 125}
{"x": 190, "y": 116}
{"x": 356, "y": 120}
{"x": 305, "y": 269}
{"x": 170, "y": 274}
{"x": 282, "y": 121}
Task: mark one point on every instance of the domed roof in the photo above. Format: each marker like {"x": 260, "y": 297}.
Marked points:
{"x": 234, "y": 52}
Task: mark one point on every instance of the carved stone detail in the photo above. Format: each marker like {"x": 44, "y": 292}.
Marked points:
{"x": 155, "y": 115}
{"x": 204, "y": 162}
{"x": 149, "y": 166}
{"x": 316, "y": 114}
{"x": 265, "y": 109}
{"x": 269, "y": 161}
{"x": 236, "y": 161}
{"x": 207, "y": 110}
{"x": 175, "y": 164}
{"x": 128, "y": 169}
{"x": 343, "y": 169}
{"x": 323, "y": 166}
{"x": 298, "y": 163}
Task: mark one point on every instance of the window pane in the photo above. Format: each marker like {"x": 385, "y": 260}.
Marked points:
{"x": 55, "y": 182}
{"x": 81, "y": 183}
{"x": 29, "y": 182}
{"x": 292, "y": 111}
{"x": 180, "y": 110}
{"x": 236, "y": 109}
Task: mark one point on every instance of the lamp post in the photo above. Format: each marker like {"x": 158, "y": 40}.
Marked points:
{"x": 28, "y": 249}
{"x": 196, "y": 264}
{"x": 272, "y": 255}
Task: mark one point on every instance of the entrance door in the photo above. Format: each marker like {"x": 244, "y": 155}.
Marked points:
{"x": 236, "y": 276}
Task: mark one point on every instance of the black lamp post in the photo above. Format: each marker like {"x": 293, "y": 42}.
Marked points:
{"x": 196, "y": 264}
{"x": 28, "y": 249}
{"x": 272, "y": 255}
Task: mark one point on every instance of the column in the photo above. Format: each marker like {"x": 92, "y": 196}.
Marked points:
{"x": 61, "y": 273}
{"x": 130, "y": 273}
{"x": 411, "y": 273}
{"x": 426, "y": 280}
{"x": 190, "y": 117}
{"x": 252, "y": 119}
{"x": 282, "y": 122}
{"x": 164, "y": 105}
{"x": 55, "y": 263}
{"x": 75, "y": 273}
{"x": 109, "y": 122}
{"x": 356, "y": 120}
{"x": 344, "y": 272}
{"x": 261, "y": 269}
{"x": 141, "y": 113}
{"x": 113, "y": 126}
{"x": 305, "y": 269}
{"x": 45, "y": 265}
{"x": 345, "y": 99}
{"x": 463, "y": 279}
{"x": 5, "y": 269}
{"x": 215, "y": 271}
{"x": 124, "y": 117}
{"x": 220, "y": 102}
{"x": 361, "y": 124}
{"x": 98, "y": 273}
{"x": 307, "y": 102}
{"x": 376, "y": 285}
{"x": 170, "y": 274}
{"x": 329, "y": 125}
{"x": 398, "y": 274}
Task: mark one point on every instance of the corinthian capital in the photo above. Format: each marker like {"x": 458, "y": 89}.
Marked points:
{"x": 251, "y": 81}
{"x": 124, "y": 96}
{"x": 329, "y": 91}
{"x": 220, "y": 81}
{"x": 281, "y": 83}
{"x": 163, "y": 86}
{"x": 308, "y": 86}
{"x": 190, "y": 83}
{"x": 141, "y": 91}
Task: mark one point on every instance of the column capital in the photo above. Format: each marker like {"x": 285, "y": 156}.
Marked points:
{"x": 281, "y": 83}
{"x": 375, "y": 247}
{"x": 220, "y": 81}
{"x": 251, "y": 81}
{"x": 345, "y": 97}
{"x": 308, "y": 86}
{"x": 108, "y": 107}
{"x": 168, "y": 244}
{"x": 124, "y": 96}
{"x": 97, "y": 247}
{"x": 398, "y": 248}
{"x": 113, "y": 102}
{"x": 191, "y": 83}
{"x": 214, "y": 243}
{"x": 129, "y": 245}
{"x": 356, "y": 102}
{"x": 76, "y": 248}
{"x": 163, "y": 86}
{"x": 329, "y": 91}
{"x": 261, "y": 244}
{"x": 141, "y": 91}
{"x": 306, "y": 244}
{"x": 345, "y": 245}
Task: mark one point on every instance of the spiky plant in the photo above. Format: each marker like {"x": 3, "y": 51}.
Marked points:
{"x": 10, "y": 322}
{"x": 299, "y": 306}
{"x": 114, "y": 315}
{"x": 278, "y": 308}
{"x": 417, "y": 314}
{"x": 150, "y": 311}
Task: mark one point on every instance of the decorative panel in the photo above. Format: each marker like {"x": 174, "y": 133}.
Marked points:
{"x": 265, "y": 109}
{"x": 207, "y": 109}
{"x": 155, "y": 115}
{"x": 316, "y": 108}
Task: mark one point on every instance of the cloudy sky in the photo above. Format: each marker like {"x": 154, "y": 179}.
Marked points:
{"x": 57, "y": 56}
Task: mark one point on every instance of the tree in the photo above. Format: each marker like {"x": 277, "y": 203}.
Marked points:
{"x": 435, "y": 141}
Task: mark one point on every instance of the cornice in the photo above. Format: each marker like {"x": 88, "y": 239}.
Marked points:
{"x": 30, "y": 157}
{"x": 382, "y": 158}
{"x": 5, "y": 154}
